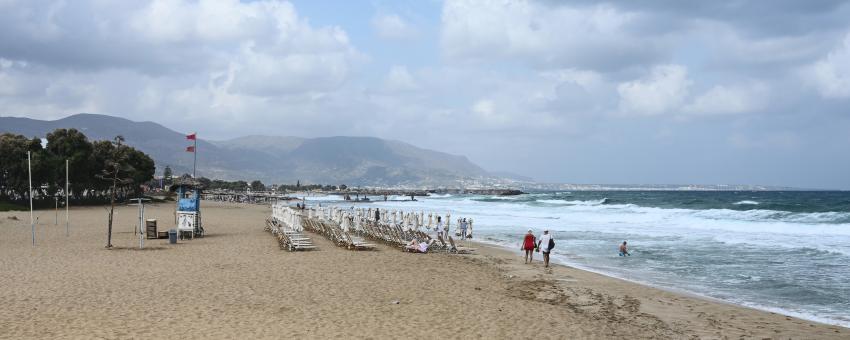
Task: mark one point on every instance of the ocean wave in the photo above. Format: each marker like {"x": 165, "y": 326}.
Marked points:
{"x": 574, "y": 202}
{"x": 763, "y": 215}
{"x": 746, "y": 202}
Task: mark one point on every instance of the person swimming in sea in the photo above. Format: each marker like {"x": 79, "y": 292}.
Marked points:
{"x": 624, "y": 249}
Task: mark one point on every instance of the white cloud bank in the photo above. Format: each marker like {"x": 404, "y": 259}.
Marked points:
{"x": 661, "y": 91}
{"x": 393, "y": 27}
{"x": 831, "y": 74}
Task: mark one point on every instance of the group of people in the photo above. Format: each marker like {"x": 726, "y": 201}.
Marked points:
{"x": 443, "y": 229}
{"x": 545, "y": 243}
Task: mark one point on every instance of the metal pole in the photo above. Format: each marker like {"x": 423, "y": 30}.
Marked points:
{"x": 32, "y": 221}
{"x": 56, "y": 211}
{"x": 67, "y": 220}
{"x": 141, "y": 221}
{"x": 195, "y": 162}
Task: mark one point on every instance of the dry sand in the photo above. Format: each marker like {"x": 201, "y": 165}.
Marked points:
{"x": 236, "y": 283}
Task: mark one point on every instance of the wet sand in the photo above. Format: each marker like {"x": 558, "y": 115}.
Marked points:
{"x": 237, "y": 283}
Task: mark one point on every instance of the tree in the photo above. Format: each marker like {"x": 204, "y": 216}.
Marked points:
{"x": 257, "y": 186}
{"x": 115, "y": 164}
{"x": 141, "y": 168}
{"x": 205, "y": 182}
{"x": 167, "y": 174}
{"x": 239, "y": 186}
{"x": 71, "y": 145}
{"x": 342, "y": 187}
{"x": 87, "y": 160}
{"x": 14, "y": 176}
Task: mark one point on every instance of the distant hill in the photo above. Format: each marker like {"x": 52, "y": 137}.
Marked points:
{"x": 272, "y": 159}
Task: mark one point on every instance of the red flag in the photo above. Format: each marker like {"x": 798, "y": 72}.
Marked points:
{"x": 190, "y": 149}
{"x": 191, "y": 137}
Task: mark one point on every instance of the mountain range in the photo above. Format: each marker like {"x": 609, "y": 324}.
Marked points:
{"x": 273, "y": 159}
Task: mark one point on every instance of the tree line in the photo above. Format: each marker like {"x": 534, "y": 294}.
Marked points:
{"x": 256, "y": 185}
{"x": 96, "y": 167}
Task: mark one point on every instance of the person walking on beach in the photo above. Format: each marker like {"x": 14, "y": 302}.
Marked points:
{"x": 377, "y": 215}
{"x": 439, "y": 225}
{"x": 529, "y": 245}
{"x": 545, "y": 245}
{"x": 463, "y": 226}
{"x": 624, "y": 249}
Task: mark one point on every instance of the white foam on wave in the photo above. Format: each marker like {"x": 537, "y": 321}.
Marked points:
{"x": 574, "y": 202}
{"x": 507, "y": 198}
{"x": 746, "y": 202}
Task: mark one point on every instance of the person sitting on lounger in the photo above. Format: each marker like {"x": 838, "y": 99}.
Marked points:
{"x": 418, "y": 247}
{"x": 412, "y": 246}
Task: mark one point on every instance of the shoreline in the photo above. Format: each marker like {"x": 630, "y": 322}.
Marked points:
{"x": 673, "y": 290}
{"x": 237, "y": 283}
{"x": 644, "y": 291}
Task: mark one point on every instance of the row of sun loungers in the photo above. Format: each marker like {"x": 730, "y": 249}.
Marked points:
{"x": 337, "y": 235}
{"x": 287, "y": 237}
{"x": 351, "y": 233}
{"x": 396, "y": 236}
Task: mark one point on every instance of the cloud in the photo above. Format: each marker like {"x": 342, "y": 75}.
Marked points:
{"x": 546, "y": 36}
{"x": 399, "y": 79}
{"x": 275, "y": 51}
{"x": 531, "y": 77}
{"x": 663, "y": 90}
{"x": 831, "y": 74}
{"x": 393, "y": 27}
{"x": 732, "y": 99}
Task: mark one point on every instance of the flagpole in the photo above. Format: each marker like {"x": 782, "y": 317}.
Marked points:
{"x": 195, "y": 153}
{"x": 29, "y": 170}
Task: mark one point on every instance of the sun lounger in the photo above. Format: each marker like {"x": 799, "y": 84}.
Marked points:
{"x": 459, "y": 250}
{"x": 358, "y": 244}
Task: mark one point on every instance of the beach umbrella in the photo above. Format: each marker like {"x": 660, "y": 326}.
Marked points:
{"x": 344, "y": 223}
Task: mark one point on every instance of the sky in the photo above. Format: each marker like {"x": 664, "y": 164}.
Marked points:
{"x": 623, "y": 92}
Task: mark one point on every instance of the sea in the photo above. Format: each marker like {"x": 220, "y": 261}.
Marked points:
{"x": 780, "y": 251}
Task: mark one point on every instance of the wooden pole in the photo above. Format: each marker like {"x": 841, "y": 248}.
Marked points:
{"x": 32, "y": 220}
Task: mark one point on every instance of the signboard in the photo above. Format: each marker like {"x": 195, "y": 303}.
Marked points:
{"x": 186, "y": 220}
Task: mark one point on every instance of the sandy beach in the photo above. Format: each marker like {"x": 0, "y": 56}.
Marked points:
{"x": 237, "y": 283}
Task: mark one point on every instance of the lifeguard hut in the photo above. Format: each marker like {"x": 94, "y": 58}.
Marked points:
{"x": 187, "y": 216}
